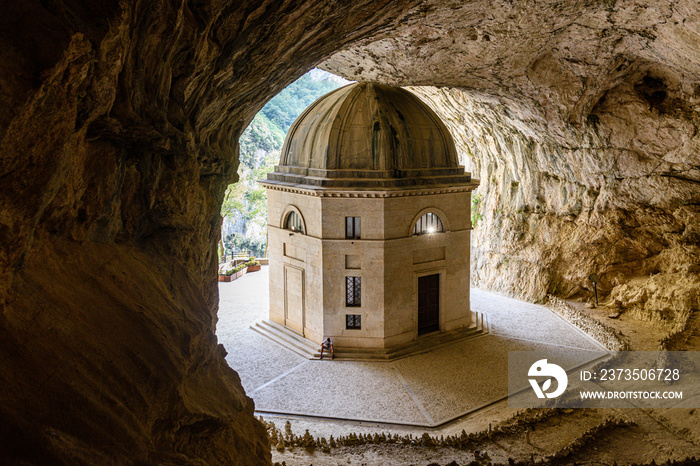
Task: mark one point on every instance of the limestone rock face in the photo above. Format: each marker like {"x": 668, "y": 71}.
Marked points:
{"x": 118, "y": 130}
{"x": 119, "y": 123}
{"x": 554, "y": 212}
{"x": 581, "y": 120}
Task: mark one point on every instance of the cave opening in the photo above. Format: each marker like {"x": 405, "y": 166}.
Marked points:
{"x": 277, "y": 358}
{"x": 244, "y": 209}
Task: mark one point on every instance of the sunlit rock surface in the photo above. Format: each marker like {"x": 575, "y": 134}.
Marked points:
{"x": 581, "y": 120}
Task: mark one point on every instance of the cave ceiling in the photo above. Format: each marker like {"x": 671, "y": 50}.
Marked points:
{"x": 119, "y": 123}
{"x": 556, "y": 59}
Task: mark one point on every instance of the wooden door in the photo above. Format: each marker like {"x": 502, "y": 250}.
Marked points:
{"x": 428, "y": 304}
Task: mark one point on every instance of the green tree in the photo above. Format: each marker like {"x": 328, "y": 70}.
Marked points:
{"x": 286, "y": 106}
{"x": 247, "y": 197}
{"x": 260, "y": 146}
{"x": 261, "y": 135}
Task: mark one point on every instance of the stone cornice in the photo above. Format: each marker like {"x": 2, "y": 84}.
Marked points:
{"x": 369, "y": 193}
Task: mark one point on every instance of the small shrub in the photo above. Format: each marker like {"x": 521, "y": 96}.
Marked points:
{"x": 476, "y": 214}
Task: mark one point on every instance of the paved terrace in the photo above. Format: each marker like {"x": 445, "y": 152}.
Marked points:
{"x": 424, "y": 390}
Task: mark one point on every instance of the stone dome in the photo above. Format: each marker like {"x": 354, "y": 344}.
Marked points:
{"x": 368, "y": 135}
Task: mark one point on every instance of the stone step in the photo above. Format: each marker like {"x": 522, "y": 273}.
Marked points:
{"x": 295, "y": 342}
{"x": 422, "y": 345}
{"x": 287, "y": 334}
{"x": 286, "y": 337}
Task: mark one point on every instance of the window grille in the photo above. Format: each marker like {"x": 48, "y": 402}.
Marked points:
{"x": 428, "y": 223}
{"x": 294, "y": 222}
{"x": 353, "y": 287}
{"x": 353, "y": 322}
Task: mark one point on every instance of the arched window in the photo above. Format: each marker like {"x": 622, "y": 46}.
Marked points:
{"x": 294, "y": 222}
{"x": 427, "y": 224}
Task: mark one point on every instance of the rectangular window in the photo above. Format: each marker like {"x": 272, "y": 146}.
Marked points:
{"x": 353, "y": 322}
{"x": 352, "y": 291}
{"x": 352, "y": 227}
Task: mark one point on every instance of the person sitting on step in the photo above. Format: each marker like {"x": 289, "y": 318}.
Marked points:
{"x": 327, "y": 345}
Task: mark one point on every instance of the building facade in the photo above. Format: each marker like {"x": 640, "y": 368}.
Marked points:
{"x": 369, "y": 222}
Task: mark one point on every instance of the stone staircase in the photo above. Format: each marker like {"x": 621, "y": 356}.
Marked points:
{"x": 290, "y": 339}
{"x": 294, "y": 341}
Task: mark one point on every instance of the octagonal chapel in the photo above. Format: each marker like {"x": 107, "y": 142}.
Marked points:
{"x": 369, "y": 222}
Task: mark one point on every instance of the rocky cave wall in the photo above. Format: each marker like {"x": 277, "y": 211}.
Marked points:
{"x": 581, "y": 120}
{"x": 119, "y": 123}
{"x": 118, "y": 130}
{"x": 551, "y": 212}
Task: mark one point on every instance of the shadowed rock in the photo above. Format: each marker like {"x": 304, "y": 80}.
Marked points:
{"x": 118, "y": 130}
